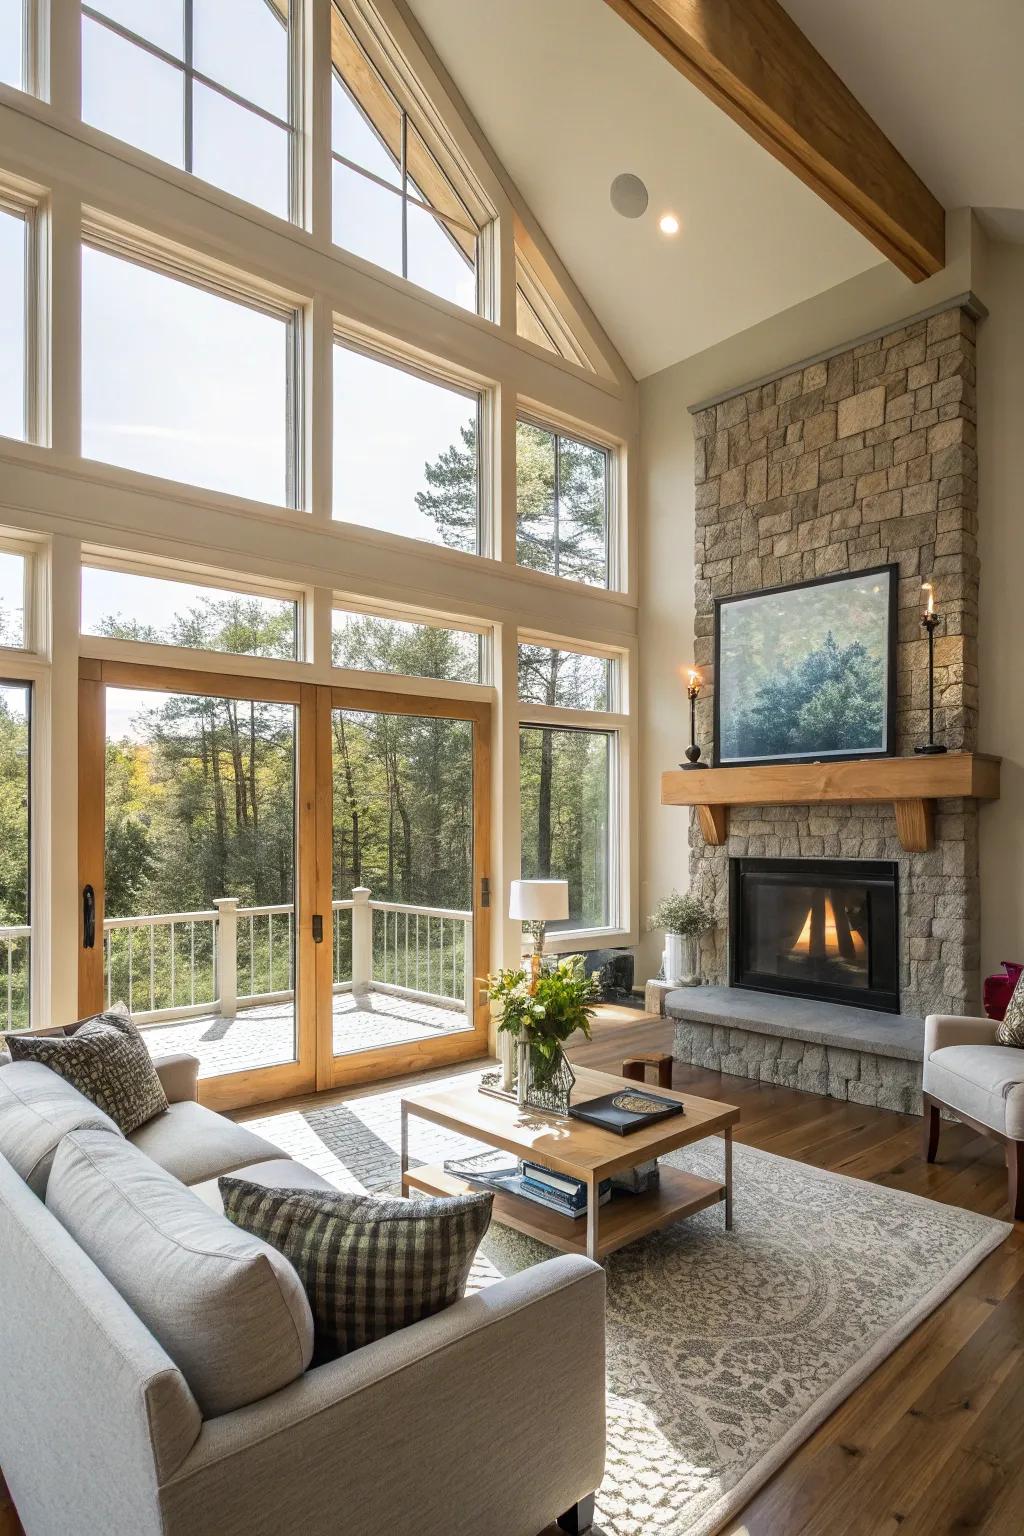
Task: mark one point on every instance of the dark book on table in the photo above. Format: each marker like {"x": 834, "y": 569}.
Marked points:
{"x": 626, "y": 1110}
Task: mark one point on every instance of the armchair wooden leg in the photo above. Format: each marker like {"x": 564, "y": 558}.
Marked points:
{"x": 579, "y": 1519}
{"x": 932, "y": 1126}
{"x": 1015, "y": 1171}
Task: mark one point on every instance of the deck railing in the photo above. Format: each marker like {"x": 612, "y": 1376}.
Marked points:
{"x": 14, "y": 976}
{"x": 177, "y": 965}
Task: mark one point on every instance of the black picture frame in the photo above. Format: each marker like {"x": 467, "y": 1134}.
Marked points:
{"x": 888, "y": 749}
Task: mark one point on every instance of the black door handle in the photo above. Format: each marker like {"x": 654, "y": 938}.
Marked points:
{"x": 318, "y": 928}
{"x": 88, "y": 918}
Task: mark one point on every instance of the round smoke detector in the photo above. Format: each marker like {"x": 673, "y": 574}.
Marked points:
{"x": 629, "y": 196}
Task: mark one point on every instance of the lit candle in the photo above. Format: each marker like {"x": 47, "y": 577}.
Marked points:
{"x": 693, "y": 681}
{"x": 929, "y": 609}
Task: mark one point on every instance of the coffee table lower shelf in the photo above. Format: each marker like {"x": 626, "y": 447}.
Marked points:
{"x": 625, "y": 1218}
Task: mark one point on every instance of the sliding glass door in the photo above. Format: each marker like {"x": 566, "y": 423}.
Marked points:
{"x": 198, "y": 870}
{"x": 409, "y": 870}
{"x": 288, "y": 882}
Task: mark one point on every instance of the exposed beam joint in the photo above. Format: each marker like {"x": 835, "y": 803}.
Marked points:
{"x": 751, "y": 59}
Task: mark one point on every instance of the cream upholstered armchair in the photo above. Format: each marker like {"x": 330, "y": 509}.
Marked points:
{"x": 982, "y": 1083}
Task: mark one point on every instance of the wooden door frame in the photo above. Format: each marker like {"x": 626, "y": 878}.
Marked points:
{"x": 254, "y": 1085}
{"x": 415, "y": 1056}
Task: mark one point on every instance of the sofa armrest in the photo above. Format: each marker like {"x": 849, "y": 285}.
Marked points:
{"x": 179, "y": 1075}
{"x": 941, "y": 1029}
{"x": 489, "y": 1416}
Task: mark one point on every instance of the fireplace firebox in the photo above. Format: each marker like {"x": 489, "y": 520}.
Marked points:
{"x": 824, "y": 928}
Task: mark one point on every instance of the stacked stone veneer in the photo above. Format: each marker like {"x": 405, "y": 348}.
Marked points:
{"x": 864, "y": 459}
{"x": 862, "y": 1077}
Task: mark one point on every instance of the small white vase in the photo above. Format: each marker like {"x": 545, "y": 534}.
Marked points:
{"x": 680, "y": 960}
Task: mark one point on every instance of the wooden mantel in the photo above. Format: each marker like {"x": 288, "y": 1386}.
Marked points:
{"x": 910, "y": 784}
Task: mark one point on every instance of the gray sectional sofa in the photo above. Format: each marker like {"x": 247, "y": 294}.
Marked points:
{"x": 488, "y": 1417}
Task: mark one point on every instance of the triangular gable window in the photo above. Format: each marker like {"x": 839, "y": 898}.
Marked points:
{"x": 538, "y": 318}
{"x": 401, "y": 196}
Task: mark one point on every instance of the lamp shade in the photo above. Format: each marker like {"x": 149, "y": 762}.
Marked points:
{"x": 539, "y": 901}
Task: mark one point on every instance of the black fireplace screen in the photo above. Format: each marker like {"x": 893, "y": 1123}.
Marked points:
{"x": 824, "y": 928}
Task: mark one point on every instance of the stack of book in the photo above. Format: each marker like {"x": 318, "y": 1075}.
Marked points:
{"x": 530, "y": 1181}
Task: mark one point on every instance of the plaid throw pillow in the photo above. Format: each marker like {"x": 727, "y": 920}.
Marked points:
{"x": 106, "y": 1059}
{"x": 1011, "y": 1026}
{"x": 370, "y": 1265}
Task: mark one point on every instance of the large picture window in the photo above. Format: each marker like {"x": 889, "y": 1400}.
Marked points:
{"x": 568, "y": 679}
{"x": 565, "y": 782}
{"x": 15, "y": 861}
{"x": 173, "y": 79}
{"x": 406, "y": 452}
{"x": 127, "y": 605}
{"x": 13, "y": 583}
{"x": 185, "y": 383}
{"x": 377, "y": 643}
{"x": 12, "y": 43}
{"x": 393, "y": 203}
{"x": 562, "y": 496}
{"x": 13, "y": 323}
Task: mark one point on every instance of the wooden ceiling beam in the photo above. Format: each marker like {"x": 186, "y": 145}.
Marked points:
{"x": 751, "y": 59}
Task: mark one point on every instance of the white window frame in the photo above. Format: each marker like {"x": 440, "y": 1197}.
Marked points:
{"x": 401, "y": 613}
{"x": 613, "y": 533}
{"x": 191, "y": 76}
{"x": 21, "y": 204}
{"x": 620, "y": 725}
{"x": 113, "y": 238}
{"x": 381, "y": 55}
{"x": 379, "y": 350}
{"x": 152, "y": 652}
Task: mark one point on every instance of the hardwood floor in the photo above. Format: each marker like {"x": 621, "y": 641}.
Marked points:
{"x": 932, "y": 1443}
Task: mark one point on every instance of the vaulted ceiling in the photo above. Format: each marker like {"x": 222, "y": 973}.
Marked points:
{"x": 570, "y": 97}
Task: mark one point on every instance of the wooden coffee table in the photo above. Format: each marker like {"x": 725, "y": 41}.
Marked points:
{"x": 584, "y": 1152}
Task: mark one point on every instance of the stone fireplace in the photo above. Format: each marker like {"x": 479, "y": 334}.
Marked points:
{"x": 849, "y": 462}
{"x": 857, "y": 460}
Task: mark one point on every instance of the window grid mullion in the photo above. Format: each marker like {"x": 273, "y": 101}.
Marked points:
{"x": 405, "y": 195}
{"x": 558, "y": 497}
{"x": 189, "y": 20}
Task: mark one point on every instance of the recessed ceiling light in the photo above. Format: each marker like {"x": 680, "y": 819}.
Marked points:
{"x": 629, "y": 196}
{"x": 668, "y": 224}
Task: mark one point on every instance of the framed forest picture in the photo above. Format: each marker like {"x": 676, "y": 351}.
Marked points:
{"x": 807, "y": 672}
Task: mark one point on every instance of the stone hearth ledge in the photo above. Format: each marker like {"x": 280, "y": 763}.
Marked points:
{"x": 846, "y": 1053}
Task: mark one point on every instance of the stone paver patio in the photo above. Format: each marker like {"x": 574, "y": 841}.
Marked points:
{"x": 264, "y": 1036}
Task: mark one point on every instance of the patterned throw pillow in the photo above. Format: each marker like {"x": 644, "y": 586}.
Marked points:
{"x": 1011, "y": 1026}
{"x": 370, "y": 1265}
{"x": 106, "y": 1059}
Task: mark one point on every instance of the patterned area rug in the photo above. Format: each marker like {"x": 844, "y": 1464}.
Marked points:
{"x": 725, "y": 1350}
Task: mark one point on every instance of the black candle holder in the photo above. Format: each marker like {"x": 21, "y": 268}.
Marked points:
{"x": 693, "y": 751}
{"x": 930, "y": 622}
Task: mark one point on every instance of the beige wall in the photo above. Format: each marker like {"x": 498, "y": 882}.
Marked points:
{"x": 1001, "y": 639}
{"x": 877, "y": 298}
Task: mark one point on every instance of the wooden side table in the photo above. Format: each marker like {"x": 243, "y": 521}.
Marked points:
{"x": 635, "y": 1067}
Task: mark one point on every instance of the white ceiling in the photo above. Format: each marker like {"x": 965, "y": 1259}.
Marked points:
{"x": 569, "y": 96}
{"x": 944, "y": 79}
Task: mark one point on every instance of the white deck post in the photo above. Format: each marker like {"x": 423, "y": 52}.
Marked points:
{"x": 469, "y": 985}
{"x": 227, "y": 954}
{"x": 362, "y": 941}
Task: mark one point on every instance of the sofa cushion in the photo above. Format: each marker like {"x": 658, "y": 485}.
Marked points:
{"x": 194, "y": 1143}
{"x": 227, "y": 1308}
{"x": 105, "y": 1058}
{"x": 277, "y": 1173}
{"x": 37, "y": 1109}
{"x": 986, "y": 1082}
{"x": 370, "y": 1265}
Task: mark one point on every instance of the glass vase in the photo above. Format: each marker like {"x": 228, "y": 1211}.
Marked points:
{"x": 549, "y": 1081}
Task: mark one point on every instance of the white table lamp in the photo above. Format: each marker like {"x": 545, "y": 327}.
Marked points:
{"x": 535, "y": 903}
